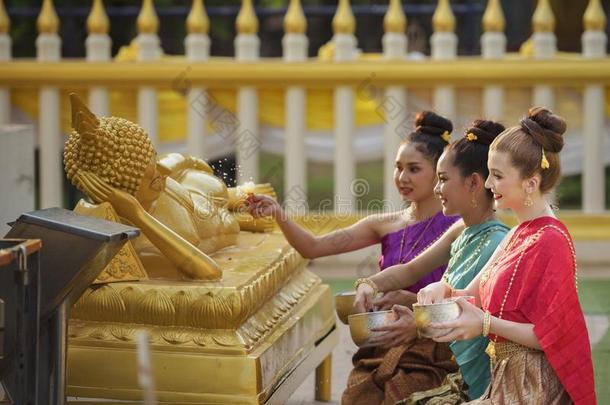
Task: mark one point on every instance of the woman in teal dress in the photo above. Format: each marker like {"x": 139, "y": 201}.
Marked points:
{"x": 466, "y": 247}
{"x": 469, "y": 253}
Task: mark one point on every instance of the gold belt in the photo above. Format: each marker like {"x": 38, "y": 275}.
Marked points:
{"x": 499, "y": 351}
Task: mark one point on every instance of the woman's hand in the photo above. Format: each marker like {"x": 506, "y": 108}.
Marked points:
{"x": 364, "y": 299}
{"x": 260, "y": 206}
{"x": 391, "y": 298}
{"x": 99, "y": 191}
{"x": 467, "y": 326}
{"x": 401, "y": 331}
{"x": 434, "y": 292}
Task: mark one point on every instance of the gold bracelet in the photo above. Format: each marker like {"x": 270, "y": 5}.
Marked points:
{"x": 368, "y": 282}
{"x": 486, "y": 323}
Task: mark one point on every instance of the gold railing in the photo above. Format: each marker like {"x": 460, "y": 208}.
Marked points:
{"x": 344, "y": 73}
{"x": 464, "y": 72}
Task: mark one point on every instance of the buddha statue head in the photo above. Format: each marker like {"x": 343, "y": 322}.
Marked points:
{"x": 116, "y": 150}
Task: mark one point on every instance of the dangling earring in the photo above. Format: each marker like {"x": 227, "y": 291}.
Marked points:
{"x": 528, "y": 200}
{"x": 473, "y": 202}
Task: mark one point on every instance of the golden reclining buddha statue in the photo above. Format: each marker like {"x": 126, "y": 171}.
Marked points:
{"x": 232, "y": 313}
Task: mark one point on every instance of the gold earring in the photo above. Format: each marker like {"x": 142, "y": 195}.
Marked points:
{"x": 528, "y": 200}
{"x": 473, "y": 202}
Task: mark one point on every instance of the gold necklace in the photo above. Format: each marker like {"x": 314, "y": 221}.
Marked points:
{"x": 454, "y": 259}
{"x": 507, "y": 248}
{"x": 401, "y": 259}
{"x": 491, "y": 347}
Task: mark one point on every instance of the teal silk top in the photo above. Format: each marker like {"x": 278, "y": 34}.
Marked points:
{"x": 469, "y": 254}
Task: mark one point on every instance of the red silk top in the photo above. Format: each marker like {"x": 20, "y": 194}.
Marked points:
{"x": 543, "y": 293}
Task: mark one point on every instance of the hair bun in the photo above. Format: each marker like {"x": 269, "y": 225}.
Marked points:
{"x": 545, "y": 128}
{"x": 432, "y": 124}
{"x": 486, "y": 131}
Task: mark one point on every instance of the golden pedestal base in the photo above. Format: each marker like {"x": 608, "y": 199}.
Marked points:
{"x": 251, "y": 338}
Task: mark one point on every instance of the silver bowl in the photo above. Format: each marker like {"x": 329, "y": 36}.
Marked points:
{"x": 344, "y": 304}
{"x": 447, "y": 310}
{"x": 360, "y": 325}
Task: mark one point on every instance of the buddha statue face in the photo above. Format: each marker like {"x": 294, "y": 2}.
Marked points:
{"x": 118, "y": 151}
{"x": 152, "y": 183}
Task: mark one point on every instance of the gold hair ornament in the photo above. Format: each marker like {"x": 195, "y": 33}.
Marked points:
{"x": 544, "y": 163}
{"x": 445, "y": 135}
{"x": 471, "y": 137}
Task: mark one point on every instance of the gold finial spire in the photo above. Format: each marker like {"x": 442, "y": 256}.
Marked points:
{"x": 493, "y": 18}
{"x": 97, "y": 22}
{"x": 197, "y": 21}
{"x": 344, "y": 21}
{"x": 443, "y": 19}
{"x": 594, "y": 18}
{"x": 5, "y": 23}
{"x": 395, "y": 19}
{"x": 295, "y": 22}
{"x": 47, "y": 21}
{"x": 148, "y": 22}
{"x": 246, "y": 23}
{"x": 543, "y": 18}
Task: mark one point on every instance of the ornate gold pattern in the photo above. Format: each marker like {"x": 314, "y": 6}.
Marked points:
{"x": 126, "y": 265}
{"x": 177, "y": 317}
{"x": 493, "y": 18}
{"x": 97, "y": 22}
{"x": 543, "y": 19}
{"x": 93, "y": 143}
{"x": 443, "y": 19}
{"x": 5, "y": 22}
{"x": 594, "y": 18}
{"x": 47, "y": 21}
{"x": 344, "y": 21}
{"x": 395, "y": 19}
{"x": 246, "y": 22}
{"x": 197, "y": 21}
{"x": 147, "y": 22}
{"x": 295, "y": 21}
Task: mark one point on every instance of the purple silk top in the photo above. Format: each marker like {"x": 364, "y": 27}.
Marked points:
{"x": 390, "y": 246}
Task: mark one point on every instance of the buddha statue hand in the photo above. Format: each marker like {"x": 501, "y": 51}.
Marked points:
{"x": 100, "y": 191}
{"x": 237, "y": 201}
{"x": 260, "y": 206}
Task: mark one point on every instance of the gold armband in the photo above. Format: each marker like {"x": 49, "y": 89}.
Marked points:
{"x": 486, "y": 323}
{"x": 369, "y": 282}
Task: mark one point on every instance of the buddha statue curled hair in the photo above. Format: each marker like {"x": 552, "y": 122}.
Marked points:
{"x": 115, "y": 149}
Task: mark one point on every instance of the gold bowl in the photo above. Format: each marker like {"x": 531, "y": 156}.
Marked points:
{"x": 444, "y": 311}
{"x": 344, "y": 304}
{"x": 360, "y": 325}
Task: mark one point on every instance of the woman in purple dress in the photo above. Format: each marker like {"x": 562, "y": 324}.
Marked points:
{"x": 383, "y": 375}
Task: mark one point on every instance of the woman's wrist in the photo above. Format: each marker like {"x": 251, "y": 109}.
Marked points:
{"x": 278, "y": 213}
{"x": 449, "y": 291}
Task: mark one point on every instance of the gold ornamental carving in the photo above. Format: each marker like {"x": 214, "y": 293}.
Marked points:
{"x": 493, "y": 18}
{"x": 594, "y": 18}
{"x": 443, "y": 19}
{"x": 395, "y": 19}
{"x": 344, "y": 21}
{"x": 47, "y": 21}
{"x": 246, "y": 22}
{"x": 197, "y": 21}
{"x": 295, "y": 21}
{"x": 97, "y": 21}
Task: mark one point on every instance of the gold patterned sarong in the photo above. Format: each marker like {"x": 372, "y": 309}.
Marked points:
{"x": 523, "y": 377}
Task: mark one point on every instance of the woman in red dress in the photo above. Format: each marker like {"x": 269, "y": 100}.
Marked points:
{"x": 539, "y": 342}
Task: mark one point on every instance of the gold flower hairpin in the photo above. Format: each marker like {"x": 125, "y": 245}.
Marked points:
{"x": 471, "y": 137}
{"x": 446, "y": 136}
{"x": 544, "y": 163}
